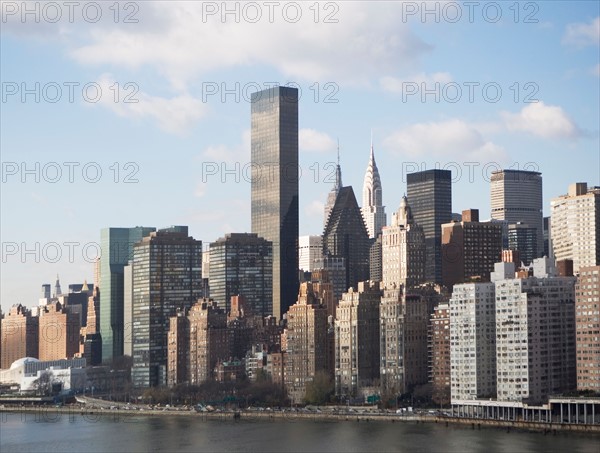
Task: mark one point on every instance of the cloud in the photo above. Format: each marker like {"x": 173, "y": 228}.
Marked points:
{"x": 450, "y": 139}
{"x": 174, "y": 115}
{"x": 581, "y": 35}
{"x": 230, "y": 154}
{"x": 182, "y": 43}
{"x": 315, "y": 208}
{"x": 313, "y": 140}
{"x": 200, "y": 189}
{"x": 397, "y": 85}
{"x": 546, "y": 121}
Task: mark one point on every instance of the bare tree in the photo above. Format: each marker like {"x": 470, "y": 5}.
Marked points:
{"x": 43, "y": 384}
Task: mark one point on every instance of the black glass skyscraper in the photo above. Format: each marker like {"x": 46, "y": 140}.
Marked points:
{"x": 275, "y": 186}
{"x": 346, "y": 236}
{"x": 429, "y": 194}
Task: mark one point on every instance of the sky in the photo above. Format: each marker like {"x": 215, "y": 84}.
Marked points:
{"x": 118, "y": 114}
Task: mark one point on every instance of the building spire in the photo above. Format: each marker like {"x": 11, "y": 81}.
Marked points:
{"x": 57, "y": 290}
{"x": 338, "y": 169}
{"x": 372, "y": 208}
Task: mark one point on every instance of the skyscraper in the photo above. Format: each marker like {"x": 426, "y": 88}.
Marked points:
{"x": 242, "y": 263}
{"x": 429, "y": 194}
{"x": 310, "y": 248}
{"x": 331, "y": 197}
{"x": 516, "y": 196}
{"x": 274, "y": 186}
{"x": 346, "y": 236}
{"x": 403, "y": 250}
{"x": 167, "y": 276}
{"x": 372, "y": 201}
{"x": 117, "y": 249}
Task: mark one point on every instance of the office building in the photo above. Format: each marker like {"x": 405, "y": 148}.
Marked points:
{"x": 167, "y": 268}
{"x": 429, "y": 194}
{"x": 346, "y": 236}
{"x": 333, "y": 193}
{"x": 372, "y": 209}
{"x": 117, "y": 249}
{"x": 469, "y": 249}
{"x": 516, "y": 196}
{"x": 242, "y": 263}
{"x": 274, "y": 185}
{"x": 523, "y": 238}
{"x": 310, "y": 249}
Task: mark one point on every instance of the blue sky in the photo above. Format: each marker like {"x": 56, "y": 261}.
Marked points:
{"x": 361, "y": 66}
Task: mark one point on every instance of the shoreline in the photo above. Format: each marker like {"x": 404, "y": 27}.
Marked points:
{"x": 53, "y": 414}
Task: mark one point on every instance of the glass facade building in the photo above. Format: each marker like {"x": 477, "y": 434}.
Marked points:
{"x": 429, "y": 194}
{"x": 242, "y": 263}
{"x": 274, "y": 185}
{"x": 167, "y": 276}
{"x": 346, "y": 236}
{"x": 117, "y": 249}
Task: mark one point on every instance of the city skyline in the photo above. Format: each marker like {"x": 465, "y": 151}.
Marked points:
{"x": 171, "y": 138}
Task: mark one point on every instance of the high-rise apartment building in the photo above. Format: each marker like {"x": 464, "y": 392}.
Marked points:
{"x": 306, "y": 351}
{"x": 429, "y": 194}
{"x": 117, "y": 249}
{"x": 372, "y": 209}
{"x": 575, "y": 226}
{"x": 59, "y": 332}
{"x": 167, "y": 275}
{"x": 346, "y": 236}
{"x": 439, "y": 353}
{"x": 403, "y": 250}
{"x": 19, "y": 336}
{"x": 274, "y": 186}
{"x": 242, "y": 263}
{"x": 198, "y": 338}
{"x": 472, "y": 341}
{"x": 470, "y": 248}
{"x": 516, "y": 196}
{"x": 587, "y": 325}
{"x": 535, "y": 338}
{"x": 357, "y": 339}
{"x": 403, "y": 332}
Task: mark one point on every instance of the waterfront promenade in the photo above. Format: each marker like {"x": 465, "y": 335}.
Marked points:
{"x": 107, "y": 410}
